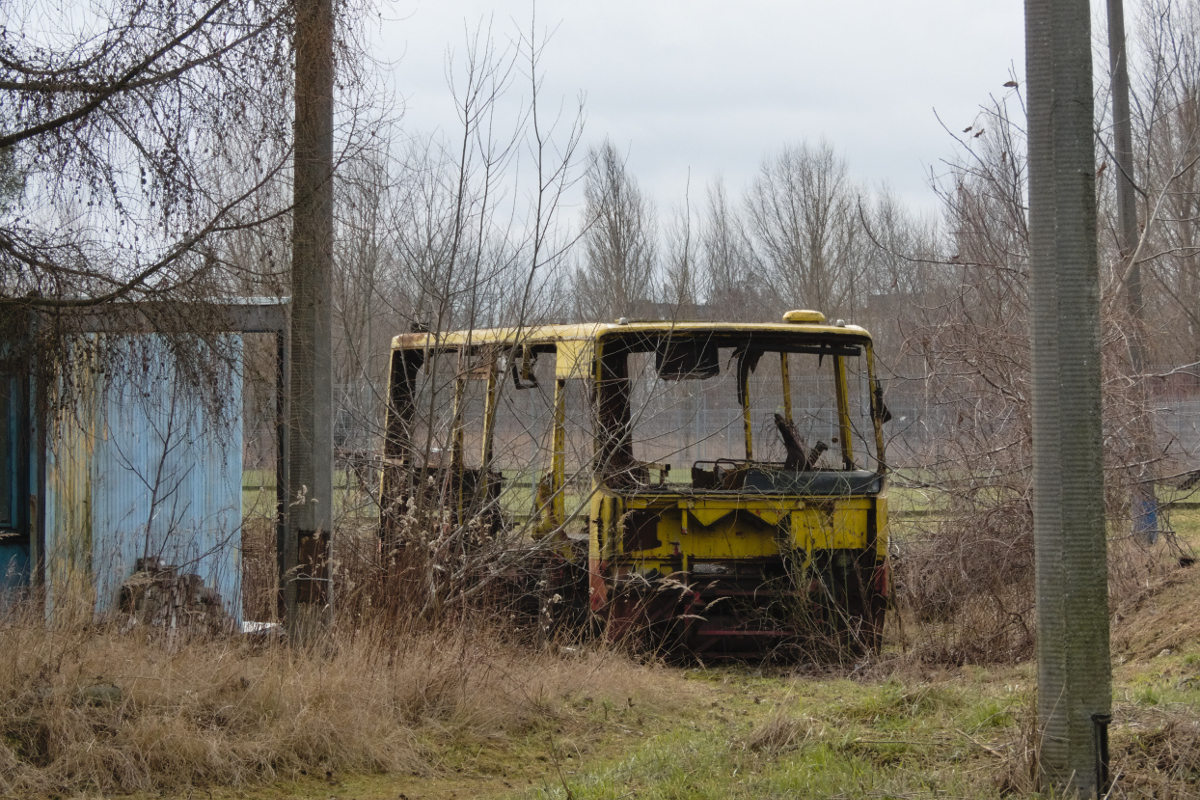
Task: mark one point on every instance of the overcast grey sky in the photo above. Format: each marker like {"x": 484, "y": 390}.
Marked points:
{"x": 713, "y": 87}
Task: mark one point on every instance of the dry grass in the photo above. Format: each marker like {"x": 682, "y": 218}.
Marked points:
{"x": 781, "y": 733}
{"x": 1160, "y": 760}
{"x": 87, "y": 709}
{"x": 260, "y": 573}
{"x": 98, "y": 710}
{"x": 965, "y": 586}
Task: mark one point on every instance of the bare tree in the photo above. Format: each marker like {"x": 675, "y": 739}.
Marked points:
{"x": 1166, "y": 110}
{"x": 802, "y": 213}
{"x": 620, "y": 244}
{"x": 965, "y": 420}
{"x": 141, "y": 132}
{"x": 145, "y": 144}
{"x": 681, "y": 288}
{"x": 726, "y": 260}
{"x": 899, "y": 268}
{"x": 458, "y": 230}
{"x": 960, "y": 397}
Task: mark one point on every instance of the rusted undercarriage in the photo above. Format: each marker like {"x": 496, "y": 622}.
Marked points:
{"x": 752, "y": 610}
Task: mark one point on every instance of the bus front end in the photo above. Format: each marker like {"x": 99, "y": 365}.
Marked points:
{"x": 738, "y": 505}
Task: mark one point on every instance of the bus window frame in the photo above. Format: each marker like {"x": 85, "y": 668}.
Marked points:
{"x": 749, "y": 347}
{"x": 601, "y": 359}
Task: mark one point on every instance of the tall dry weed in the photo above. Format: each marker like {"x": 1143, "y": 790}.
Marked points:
{"x": 95, "y": 709}
{"x": 1158, "y": 759}
{"x": 964, "y": 582}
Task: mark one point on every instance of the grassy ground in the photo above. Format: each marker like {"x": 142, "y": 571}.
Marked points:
{"x": 894, "y": 729}
{"x": 468, "y": 718}
{"x": 819, "y": 737}
{"x": 371, "y": 713}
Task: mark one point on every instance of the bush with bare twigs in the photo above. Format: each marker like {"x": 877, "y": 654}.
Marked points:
{"x": 965, "y": 566}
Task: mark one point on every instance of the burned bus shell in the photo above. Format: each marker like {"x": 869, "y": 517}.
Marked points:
{"x": 715, "y": 488}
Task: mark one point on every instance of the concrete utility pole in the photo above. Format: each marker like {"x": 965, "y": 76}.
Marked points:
{"x": 1074, "y": 674}
{"x": 1143, "y": 503}
{"x": 303, "y": 550}
{"x": 1127, "y": 230}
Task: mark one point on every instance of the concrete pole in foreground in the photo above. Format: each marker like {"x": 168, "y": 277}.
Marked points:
{"x": 304, "y": 551}
{"x": 1074, "y": 675}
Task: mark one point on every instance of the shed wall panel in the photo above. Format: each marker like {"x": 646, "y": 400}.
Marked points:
{"x": 155, "y": 472}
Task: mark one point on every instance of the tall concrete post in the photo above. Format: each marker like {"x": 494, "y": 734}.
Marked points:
{"x": 1074, "y": 674}
{"x": 1142, "y": 501}
{"x": 1127, "y": 230}
{"x": 304, "y": 550}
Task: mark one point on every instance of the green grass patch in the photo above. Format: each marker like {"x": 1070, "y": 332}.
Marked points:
{"x": 810, "y": 737}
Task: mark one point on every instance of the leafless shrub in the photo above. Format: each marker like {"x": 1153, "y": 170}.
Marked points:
{"x": 969, "y": 588}
{"x": 965, "y": 563}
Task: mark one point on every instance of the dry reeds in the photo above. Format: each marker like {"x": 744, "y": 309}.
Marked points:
{"x": 100, "y": 710}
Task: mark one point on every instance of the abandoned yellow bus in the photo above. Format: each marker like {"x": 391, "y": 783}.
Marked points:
{"x": 711, "y": 488}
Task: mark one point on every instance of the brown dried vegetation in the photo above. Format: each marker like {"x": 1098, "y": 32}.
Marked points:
{"x": 98, "y": 710}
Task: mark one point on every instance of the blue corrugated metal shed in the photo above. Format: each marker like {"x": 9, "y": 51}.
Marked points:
{"x": 140, "y": 466}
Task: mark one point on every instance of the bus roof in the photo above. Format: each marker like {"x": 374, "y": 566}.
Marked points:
{"x": 548, "y": 334}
